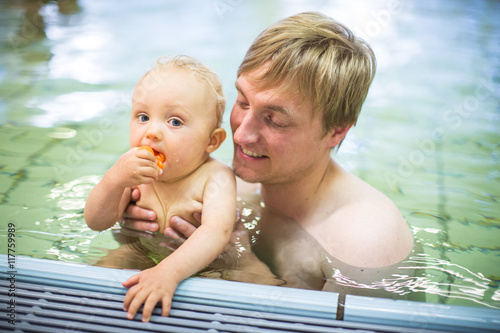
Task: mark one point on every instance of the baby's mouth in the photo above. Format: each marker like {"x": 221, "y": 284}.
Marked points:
{"x": 160, "y": 158}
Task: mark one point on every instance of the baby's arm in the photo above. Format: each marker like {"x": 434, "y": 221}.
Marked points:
{"x": 109, "y": 198}
{"x": 205, "y": 244}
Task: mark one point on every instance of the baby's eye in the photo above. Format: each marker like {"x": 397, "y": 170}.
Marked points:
{"x": 143, "y": 118}
{"x": 175, "y": 122}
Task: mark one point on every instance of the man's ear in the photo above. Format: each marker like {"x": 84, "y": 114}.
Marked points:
{"x": 216, "y": 138}
{"x": 337, "y": 135}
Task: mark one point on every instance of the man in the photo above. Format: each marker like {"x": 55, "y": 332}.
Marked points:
{"x": 300, "y": 89}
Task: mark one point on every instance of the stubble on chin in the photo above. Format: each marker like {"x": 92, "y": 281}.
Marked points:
{"x": 246, "y": 175}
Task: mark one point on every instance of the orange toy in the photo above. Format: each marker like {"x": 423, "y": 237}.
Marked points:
{"x": 160, "y": 158}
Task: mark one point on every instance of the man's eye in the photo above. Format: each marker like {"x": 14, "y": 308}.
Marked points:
{"x": 143, "y": 118}
{"x": 275, "y": 123}
{"x": 175, "y": 122}
{"x": 242, "y": 105}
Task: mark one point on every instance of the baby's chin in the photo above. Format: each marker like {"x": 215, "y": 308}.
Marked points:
{"x": 168, "y": 176}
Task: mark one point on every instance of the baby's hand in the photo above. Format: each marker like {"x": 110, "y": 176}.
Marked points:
{"x": 160, "y": 158}
{"x": 148, "y": 287}
{"x": 135, "y": 167}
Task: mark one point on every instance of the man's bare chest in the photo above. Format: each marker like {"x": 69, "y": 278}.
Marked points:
{"x": 291, "y": 253}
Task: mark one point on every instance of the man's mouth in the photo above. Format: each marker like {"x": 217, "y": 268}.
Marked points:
{"x": 250, "y": 153}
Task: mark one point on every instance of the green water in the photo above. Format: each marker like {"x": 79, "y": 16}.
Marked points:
{"x": 428, "y": 136}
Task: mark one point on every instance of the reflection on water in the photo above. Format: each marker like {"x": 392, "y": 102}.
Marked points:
{"x": 75, "y": 106}
{"x": 427, "y": 137}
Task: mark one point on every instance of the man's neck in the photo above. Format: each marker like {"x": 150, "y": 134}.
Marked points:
{"x": 298, "y": 198}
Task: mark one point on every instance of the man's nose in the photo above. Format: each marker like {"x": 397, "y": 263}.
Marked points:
{"x": 245, "y": 128}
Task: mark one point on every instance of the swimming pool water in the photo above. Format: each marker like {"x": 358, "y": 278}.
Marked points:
{"x": 428, "y": 135}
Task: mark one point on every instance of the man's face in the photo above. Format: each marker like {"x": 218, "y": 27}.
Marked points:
{"x": 277, "y": 139}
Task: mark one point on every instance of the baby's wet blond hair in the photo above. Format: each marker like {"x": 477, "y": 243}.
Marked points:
{"x": 201, "y": 72}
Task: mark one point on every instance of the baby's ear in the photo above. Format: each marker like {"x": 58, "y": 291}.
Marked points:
{"x": 216, "y": 138}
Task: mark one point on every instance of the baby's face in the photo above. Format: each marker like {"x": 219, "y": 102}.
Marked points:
{"x": 174, "y": 113}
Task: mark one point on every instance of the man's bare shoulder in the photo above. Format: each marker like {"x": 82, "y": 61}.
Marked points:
{"x": 367, "y": 229}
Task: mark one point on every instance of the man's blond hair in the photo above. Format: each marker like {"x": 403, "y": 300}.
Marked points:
{"x": 319, "y": 58}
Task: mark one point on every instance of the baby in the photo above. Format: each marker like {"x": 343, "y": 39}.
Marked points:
{"x": 177, "y": 110}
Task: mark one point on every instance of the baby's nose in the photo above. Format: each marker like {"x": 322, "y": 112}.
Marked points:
{"x": 154, "y": 133}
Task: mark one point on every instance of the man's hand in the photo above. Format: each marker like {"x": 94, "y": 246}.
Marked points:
{"x": 180, "y": 228}
{"x": 139, "y": 218}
